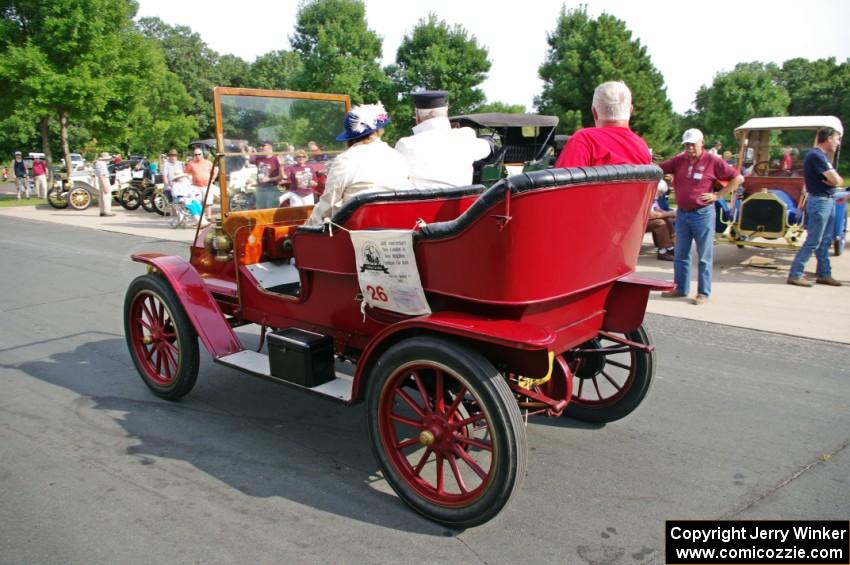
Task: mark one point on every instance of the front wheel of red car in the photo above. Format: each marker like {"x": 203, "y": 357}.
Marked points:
{"x": 611, "y": 375}
{"x": 446, "y": 431}
{"x": 162, "y": 342}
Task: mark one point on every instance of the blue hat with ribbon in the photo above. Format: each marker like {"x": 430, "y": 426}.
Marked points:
{"x": 363, "y": 120}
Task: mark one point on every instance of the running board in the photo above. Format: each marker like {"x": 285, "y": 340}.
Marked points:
{"x": 257, "y": 364}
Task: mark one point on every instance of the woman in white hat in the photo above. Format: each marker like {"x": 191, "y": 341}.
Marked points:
{"x": 368, "y": 165}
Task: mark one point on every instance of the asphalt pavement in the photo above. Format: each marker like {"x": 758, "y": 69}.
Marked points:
{"x": 94, "y": 469}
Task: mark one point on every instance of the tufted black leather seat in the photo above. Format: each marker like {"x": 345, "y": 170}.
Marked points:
{"x": 349, "y": 208}
{"x": 538, "y": 180}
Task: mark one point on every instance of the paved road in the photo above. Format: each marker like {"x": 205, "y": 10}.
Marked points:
{"x": 94, "y": 469}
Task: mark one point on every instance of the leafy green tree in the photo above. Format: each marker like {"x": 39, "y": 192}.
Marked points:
{"x": 196, "y": 65}
{"x": 339, "y": 53}
{"x": 277, "y": 70}
{"x": 818, "y": 88}
{"x": 233, "y": 71}
{"x": 436, "y": 56}
{"x": 501, "y": 107}
{"x": 157, "y": 120}
{"x": 60, "y": 56}
{"x": 83, "y": 62}
{"x": 583, "y": 53}
{"x": 750, "y": 90}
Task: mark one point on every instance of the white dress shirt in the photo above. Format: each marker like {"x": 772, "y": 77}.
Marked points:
{"x": 366, "y": 167}
{"x": 441, "y": 156}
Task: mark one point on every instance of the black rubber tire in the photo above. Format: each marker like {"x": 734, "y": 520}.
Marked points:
{"x": 155, "y": 289}
{"x": 160, "y": 202}
{"x": 146, "y": 200}
{"x": 487, "y": 389}
{"x": 130, "y": 199}
{"x": 642, "y": 371}
{"x": 80, "y": 197}
{"x": 57, "y": 198}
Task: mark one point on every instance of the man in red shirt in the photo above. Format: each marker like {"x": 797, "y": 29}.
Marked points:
{"x": 610, "y": 141}
{"x": 694, "y": 174}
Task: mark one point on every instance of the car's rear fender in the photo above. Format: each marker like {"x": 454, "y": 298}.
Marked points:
{"x": 201, "y": 308}
{"x": 521, "y": 347}
{"x": 625, "y": 305}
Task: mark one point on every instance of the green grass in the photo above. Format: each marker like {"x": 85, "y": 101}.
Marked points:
{"x": 9, "y": 200}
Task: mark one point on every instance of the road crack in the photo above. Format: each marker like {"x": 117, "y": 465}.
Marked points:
{"x": 822, "y": 459}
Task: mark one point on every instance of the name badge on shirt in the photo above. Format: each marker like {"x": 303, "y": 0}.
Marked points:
{"x": 698, "y": 176}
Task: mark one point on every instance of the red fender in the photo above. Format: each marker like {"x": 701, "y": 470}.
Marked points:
{"x": 202, "y": 310}
{"x": 626, "y": 303}
{"x": 502, "y": 337}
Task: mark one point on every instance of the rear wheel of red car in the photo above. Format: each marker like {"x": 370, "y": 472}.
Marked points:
{"x": 446, "y": 431}
{"x": 610, "y": 378}
{"x": 162, "y": 342}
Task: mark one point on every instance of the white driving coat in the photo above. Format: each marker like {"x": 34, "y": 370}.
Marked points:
{"x": 441, "y": 156}
{"x": 367, "y": 167}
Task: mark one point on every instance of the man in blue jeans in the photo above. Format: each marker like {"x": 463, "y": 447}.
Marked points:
{"x": 821, "y": 179}
{"x": 694, "y": 174}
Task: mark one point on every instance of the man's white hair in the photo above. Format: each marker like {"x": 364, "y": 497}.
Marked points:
{"x": 613, "y": 100}
{"x": 423, "y": 114}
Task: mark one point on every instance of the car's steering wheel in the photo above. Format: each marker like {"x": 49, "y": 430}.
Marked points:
{"x": 761, "y": 168}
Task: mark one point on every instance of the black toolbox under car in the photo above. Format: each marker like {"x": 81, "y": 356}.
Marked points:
{"x": 301, "y": 357}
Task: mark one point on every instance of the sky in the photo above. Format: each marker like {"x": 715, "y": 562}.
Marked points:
{"x": 689, "y": 43}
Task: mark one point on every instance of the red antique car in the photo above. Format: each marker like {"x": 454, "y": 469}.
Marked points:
{"x": 534, "y": 309}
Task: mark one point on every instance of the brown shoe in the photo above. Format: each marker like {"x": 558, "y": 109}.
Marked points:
{"x": 827, "y": 281}
{"x": 700, "y": 300}
{"x": 799, "y": 281}
{"x": 673, "y": 294}
{"x": 665, "y": 256}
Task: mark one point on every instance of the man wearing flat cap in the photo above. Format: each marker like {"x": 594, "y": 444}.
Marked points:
{"x": 440, "y": 156}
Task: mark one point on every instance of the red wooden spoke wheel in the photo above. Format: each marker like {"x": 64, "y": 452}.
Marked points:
{"x": 446, "y": 430}
{"x": 161, "y": 340}
{"x": 610, "y": 376}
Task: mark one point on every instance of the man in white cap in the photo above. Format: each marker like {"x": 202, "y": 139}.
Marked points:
{"x": 440, "y": 156}
{"x": 694, "y": 174}
{"x": 101, "y": 172}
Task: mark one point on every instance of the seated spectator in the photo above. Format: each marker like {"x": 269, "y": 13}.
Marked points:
{"x": 368, "y": 165}
{"x": 188, "y": 195}
{"x": 301, "y": 180}
{"x": 662, "y": 225}
{"x": 787, "y": 160}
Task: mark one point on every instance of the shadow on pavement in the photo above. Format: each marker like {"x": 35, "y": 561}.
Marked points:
{"x": 260, "y": 439}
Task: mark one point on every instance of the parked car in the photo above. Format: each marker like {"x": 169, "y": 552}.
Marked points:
{"x": 769, "y": 209}
{"x": 77, "y": 161}
{"x": 520, "y": 142}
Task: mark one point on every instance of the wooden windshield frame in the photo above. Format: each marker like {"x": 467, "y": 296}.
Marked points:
{"x": 220, "y": 91}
